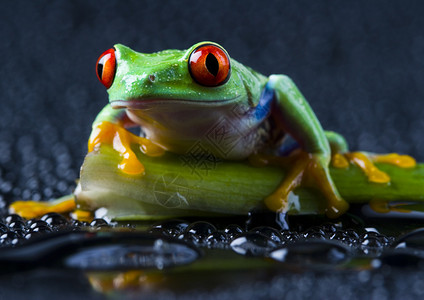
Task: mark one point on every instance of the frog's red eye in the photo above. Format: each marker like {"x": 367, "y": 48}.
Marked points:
{"x": 106, "y": 67}
{"x": 209, "y": 65}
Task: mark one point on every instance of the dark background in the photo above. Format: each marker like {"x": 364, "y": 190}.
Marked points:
{"x": 359, "y": 63}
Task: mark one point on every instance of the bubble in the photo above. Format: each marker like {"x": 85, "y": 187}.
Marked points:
{"x": 252, "y": 244}
{"x": 217, "y": 239}
{"x": 269, "y": 232}
{"x": 198, "y": 232}
{"x": 312, "y": 253}
{"x": 54, "y": 220}
{"x": 99, "y": 223}
{"x": 233, "y": 231}
{"x": 172, "y": 227}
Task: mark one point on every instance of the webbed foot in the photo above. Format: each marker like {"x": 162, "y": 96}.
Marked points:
{"x": 121, "y": 140}
{"x": 35, "y": 209}
{"x": 365, "y": 161}
{"x": 308, "y": 170}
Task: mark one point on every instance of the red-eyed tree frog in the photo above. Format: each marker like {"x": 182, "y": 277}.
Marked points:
{"x": 201, "y": 96}
{"x": 177, "y": 97}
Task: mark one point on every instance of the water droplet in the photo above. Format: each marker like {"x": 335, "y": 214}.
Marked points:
{"x": 9, "y": 238}
{"x": 13, "y": 218}
{"x": 54, "y": 219}
{"x": 270, "y": 232}
{"x": 172, "y": 227}
{"x": 252, "y": 244}
{"x": 3, "y": 228}
{"x": 314, "y": 233}
{"x": 40, "y": 228}
{"x": 233, "y": 231}
{"x": 217, "y": 239}
{"x": 312, "y": 253}
{"x": 198, "y": 232}
{"x": 17, "y": 225}
{"x": 99, "y": 223}
{"x": 289, "y": 236}
{"x": 371, "y": 246}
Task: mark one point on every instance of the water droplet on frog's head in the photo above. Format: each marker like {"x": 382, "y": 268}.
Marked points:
{"x": 312, "y": 253}
{"x": 252, "y": 244}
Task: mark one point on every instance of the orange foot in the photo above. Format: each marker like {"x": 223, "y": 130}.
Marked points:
{"x": 365, "y": 161}
{"x": 305, "y": 169}
{"x": 35, "y": 209}
{"x": 121, "y": 140}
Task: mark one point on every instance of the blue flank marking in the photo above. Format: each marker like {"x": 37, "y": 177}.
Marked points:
{"x": 262, "y": 111}
{"x": 289, "y": 144}
{"x": 263, "y": 108}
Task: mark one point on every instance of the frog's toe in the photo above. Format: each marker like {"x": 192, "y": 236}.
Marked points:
{"x": 130, "y": 164}
{"x": 402, "y": 161}
{"x": 339, "y": 161}
{"x": 366, "y": 163}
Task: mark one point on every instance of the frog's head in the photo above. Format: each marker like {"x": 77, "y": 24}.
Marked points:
{"x": 202, "y": 75}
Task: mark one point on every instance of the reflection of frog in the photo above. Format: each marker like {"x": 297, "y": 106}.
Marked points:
{"x": 178, "y": 97}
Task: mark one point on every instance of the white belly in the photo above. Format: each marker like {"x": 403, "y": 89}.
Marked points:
{"x": 224, "y": 131}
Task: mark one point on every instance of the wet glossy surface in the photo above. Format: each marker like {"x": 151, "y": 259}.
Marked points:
{"x": 183, "y": 257}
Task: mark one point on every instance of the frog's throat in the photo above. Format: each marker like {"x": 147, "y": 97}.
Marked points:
{"x": 145, "y": 103}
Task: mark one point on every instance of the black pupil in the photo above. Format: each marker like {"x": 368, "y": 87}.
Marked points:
{"x": 212, "y": 64}
{"x": 100, "y": 67}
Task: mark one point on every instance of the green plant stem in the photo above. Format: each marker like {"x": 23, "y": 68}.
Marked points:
{"x": 175, "y": 187}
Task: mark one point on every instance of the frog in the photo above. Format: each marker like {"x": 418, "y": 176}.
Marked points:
{"x": 177, "y": 97}
{"x": 201, "y": 97}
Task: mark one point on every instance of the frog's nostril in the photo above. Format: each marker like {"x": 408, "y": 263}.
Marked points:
{"x": 152, "y": 78}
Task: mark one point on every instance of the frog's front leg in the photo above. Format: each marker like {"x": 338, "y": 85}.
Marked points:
{"x": 293, "y": 115}
{"x": 109, "y": 127}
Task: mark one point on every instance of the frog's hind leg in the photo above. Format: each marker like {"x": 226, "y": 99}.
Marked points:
{"x": 303, "y": 169}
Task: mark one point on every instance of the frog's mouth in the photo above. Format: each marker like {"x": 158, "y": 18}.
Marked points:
{"x": 149, "y": 103}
